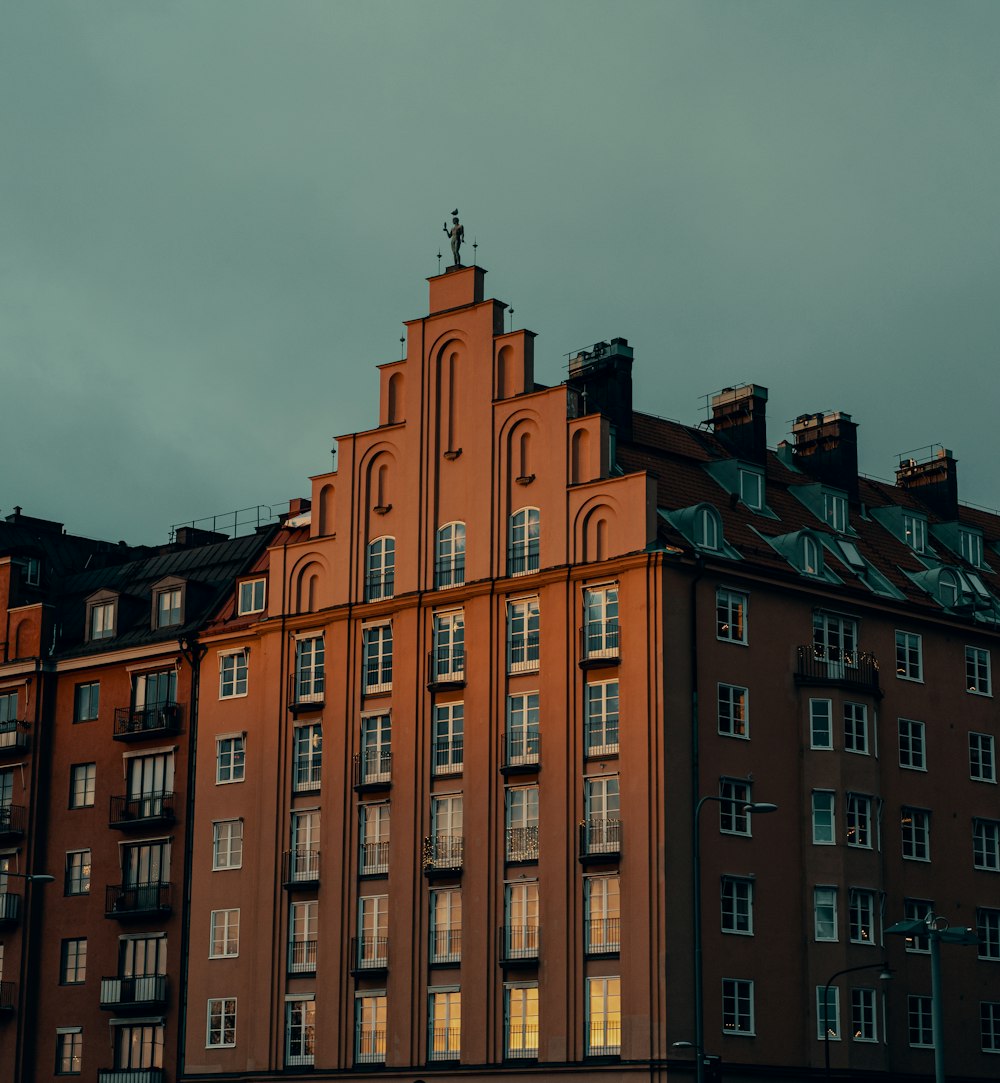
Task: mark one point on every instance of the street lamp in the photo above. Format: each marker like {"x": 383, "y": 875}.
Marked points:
{"x": 937, "y": 930}
{"x": 699, "y": 1005}
{"x": 884, "y": 976}
{"x": 34, "y": 877}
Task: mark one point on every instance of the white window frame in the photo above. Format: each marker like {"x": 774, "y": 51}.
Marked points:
{"x": 824, "y": 819}
{"x": 445, "y": 925}
{"x": 916, "y": 833}
{"x": 524, "y": 621}
{"x": 220, "y": 1023}
{"x": 909, "y": 656}
{"x": 370, "y": 1029}
{"x": 444, "y": 1024}
{"x": 524, "y": 541}
{"x": 601, "y": 627}
{"x": 707, "y": 529}
{"x": 521, "y": 817}
{"x": 449, "y": 555}
{"x": 72, "y": 960}
{"x": 918, "y": 1011}
{"x": 230, "y": 758}
{"x": 825, "y": 914}
{"x": 835, "y": 511}
{"x": 604, "y": 1016}
{"x": 858, "y": 820}
{"x": 970, "y": 545}
{"x": 521, "y": 1014}
{"x": 602, "y": 914}
{"x": 862, "y": 917}
{"x": 601, "y": 718}
{"x": 864, "y": 1014}
{"x": 376, "y": 658}
{"x": 87, "y": 704}
{"x": 986, "y": 844}
{"x": 224, "y": 933}
{"x": 917, "y": 910}
{"x": 101, "y": 620}
{"x": 169, "y": 607}
{"x": 735, "y": 793}
{"x": 856, "y": 728}
{"x": 739, "y": 993}
{"x": 522, "y": 737}
{"x": 310, "y": 669}
{"x": 820, "y": 711}
{"x": 234, "y": 671}
{"x": 915, "y": 532}
{"x": 912, "y": 744}
{"x": 227, "y": 845}
{"x": 734, "y": 711}
{"x": 824, "y": 1011}
{"x": 751, "y": 488}
{"x": 82, "y": 785}
{"x": 989, "y": 1026}
{"x": 376, "y": 747}
{"x": 79, "y": 872}
{"x": 303, "y": 929}
{"x": 448, "y": 738}
{"x": 307, "y": 757}
{"x": 374, "y": 824}
{"x": 731, "y": 616}
{"x": 737, "y": 905}
{"x": 302, "y": 1030}
{"x": 988, "y": 928}
{"x": 380, "y": 568}
{"x": 251, "y": 596}
{"x": 978, "y": 679}
{"x": 982, "y": 757}
{"x": 69, "y": 1050}
{"x": 448, "y": 646}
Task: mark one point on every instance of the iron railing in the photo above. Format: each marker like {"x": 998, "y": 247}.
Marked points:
{"x": 142, "y": 810}
{"x": 599, "y": 641}
{"x": 603, "y": 936}
{"x": 299, "y": 867}
{"x": 600, "y": 837}
{"x": 12, "y": 820}
{"x": 829, "y": 665}
{"x": 518, "y": 943}
{"x": 13, "y": 735}
{"x": 131, "y": 1075}
{"x": 521, "y": 1041}
{"x": 369, "y": 953}
{"x": 134, "y": 723}
{"x": 120, "y": 994}
{"x": 520, "y": 750}
{"x": 444, "y": 1043}
{"x": 446, "y": 946}
{"x": 10, "y": 909}
{"x": 521, "y": 843}
{"x": 373, "y": 769}
{"x": 443, "y": 853}
{"x": 374, "y": 858}
{"x": 445, "y": 666}
{"x": 125, "y": 901}
{"x": 302, "y": 956}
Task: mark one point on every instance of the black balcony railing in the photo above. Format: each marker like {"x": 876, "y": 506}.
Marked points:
{"x": 302, "y": 956}
{"x": 379, "y": 585}
{"x": 449, "y": 572}
{"x": 369, "y": 953}
{"x": 300, "y": 868}
{"x": 521, "y": 1041}
{"x": 524, "y": 652}
{"x": 521, "y": 561}
{"x": 134, "y": 994}
{"x": 606, "y": 1040}
{"x": 443, "y": 854}
{"x": 126, "y": 901}
{"x": 131, "y": 1075}
{"x": 446, "y": 946}
{"x": 444, "y": 1043}
{"x": 7, "y": 996}
{"x": 134, "y": 723}
{"x": 521, "y": 843}
{"x": 447, "y": 755}
{"x": 374, "y": 858}
{"x": 13, "y": 736}
{"x": 10, "y": 909}
{"x": 600, "y": 838}
{"x": 857, "y": 670}
{"x": 373, "y": 769}
{"x": 143, "y": 810}
{"x": 12, "y": 820}
{"x": 446, "y": 667}
{"x": 306, "y": 690}
{"x": 520, "y": 751}
{"x": 518, "y": 943}
{"x": 599, "y": 642}
{"x": 370, "y": 1045}
{"x": 603, "y": 936}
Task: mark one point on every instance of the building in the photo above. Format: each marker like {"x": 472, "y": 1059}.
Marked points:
{"x": 465, "y": 719}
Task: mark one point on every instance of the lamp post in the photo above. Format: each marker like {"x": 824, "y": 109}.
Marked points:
{"x": 699, "y": 1005}
{"x": 885, "y": 976}
{"x": 33, "y": 877}
{"x": 937, "y": 930}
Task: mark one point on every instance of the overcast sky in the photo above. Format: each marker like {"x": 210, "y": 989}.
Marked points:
{"x": 217, "y": 213}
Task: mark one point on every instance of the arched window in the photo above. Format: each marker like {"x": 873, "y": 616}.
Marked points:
{"x": 948, "y": 592}
{"x": 707, "y": 533}
{"x": 380, "y": 569}
{"x": 449, "y": 556}
{"x": 522, "y": 542}
{"x": 812, "y": 558}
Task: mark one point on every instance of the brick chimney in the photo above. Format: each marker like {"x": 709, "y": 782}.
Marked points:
{"x": 602, "y": 377}
{"x": 826, "y": 446}
{"x": 739, "y": 419}
{"x": 934, "y": 482}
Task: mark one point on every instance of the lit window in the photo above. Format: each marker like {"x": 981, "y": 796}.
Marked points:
{"x": 604, "y": 1017}
{"x": 380, "y": 569}
{"x": 602, "y": 914}
{"x": 916, "y": 832}
{"x": 227, "y": 844}
{"x": 861, "y": 911}
{"x": 233, "y": 666}
{"x": 220, "y": 1033}
{"x": 376, "y": 650}
{"x": 733, "y": 711}
{"x": 600, "y": 629}
{"x": 444, "y": 1021}
{"x": 520, "y": 930}
{"x": 307, "y": 757}
{"x": 970, "y": 545}
{"x": 168, "y": 607}
{"x": 303, "y": 926}
{"x": 820, "y": 724}
{"x": 977, "y": 671}
{"x": 77, "y": 872}
{"x": 812, "y": 557}
{"x": 988, "y": 928}
{"x": 300, "y": 1031}
{"x": 446, "y": 925}
{"x": 822, "y": 818}
{"x": 521, "y": 1020}
{"x": 752, "y": 489}
{"x": 858, "y": 812}
{"x": 448, "y": 650}
{"x": 373, "y": 932}
{"x": 828, "y": 1013}
{"x": 825, "y": 913}
{"x": 304, "y": 863}
{"x": 523, "y": 536}
{"x": 737, "y": 1006}
{"x": 310, "y": 656}
{"x": 986, "y": 844}
{"x": 73, "y": 962}
{"x": 601, "y": 727}
{"x": 370, "y": 1018}
{"x": 521, "y": 842}
{"x": 82, "y": 785}
{"x": 602, "y": 811}
{"x": 522, "y": 741}
{"x": 448, "y": 739}
{"x": 835, "y": 511}
{"x": 911, "y": 745}
{"x": 230, "y": 759}
{"x": 102, "y": 620}
{"x": 864, "y": 1027}
{"x": 449, "y": 560}
{"x": 733, "y": 819}
{"x": 69, "y": 1050}
{"x": 224, "y": 934}
{"x": 374, "y": 832}
{"x": 989, "y": 1025}
{"x": 921, "y": 1027}
{"x": 252, "y": 595}
{"x": 138, "y": 1047}
{"x": 909, "y": 664}
{"x": 856, "y": 728}
{"x": 917, "y": 910}
{"x": 731, "y": 616}
{"x": 446, "y": 845}
{"x": 982, "y": 757}
{"x": 915, "y": 533}
{"x": 86, "y": 702}
{"x": 523, "y": 632}
{"x": 376, "y": 749}
{"x": 737, "y": 905}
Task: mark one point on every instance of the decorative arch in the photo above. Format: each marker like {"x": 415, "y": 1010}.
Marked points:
{"x": 395, "y": 409}
{"x": 595, "y": 531}
{"x": 307, "y": 582}
{"x": 580, "y": 457}
{"x": 20, "y": 634}
{"x": 505, "y": 360}
{"x": 327, "y": 497}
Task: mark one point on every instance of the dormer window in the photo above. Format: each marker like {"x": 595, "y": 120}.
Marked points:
{"x": 706, "y": 529}
{"x": 970, "y": 544}
{"x": 812, "y": 555}
{"x": 252, "y": 596}
{"x": 168, "y": 607}
{"x": 915, "y": 532}
{"x": 948, "y": 589}
{"x": 101, "y": 620}
{"x": 752, "y": 489}
{"x": 835, "y": 511}
{"x": 32, "y": 571}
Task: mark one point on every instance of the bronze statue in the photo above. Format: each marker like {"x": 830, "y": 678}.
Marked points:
{"x": 457, "y": 235}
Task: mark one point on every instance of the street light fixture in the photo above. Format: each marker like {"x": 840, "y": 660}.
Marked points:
{"x": 699, "y": 1003}
{"x": 885, "y": 975}
{"x": 33, "y": 877}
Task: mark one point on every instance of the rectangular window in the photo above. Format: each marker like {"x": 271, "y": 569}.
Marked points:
{"x": 520, "y": 930}
{"x": 602, "y": 809}
{"x": 220, "y": 1032}
{"x": 224, "y": 934}
{"x": 858, "y": 812}
{"x": 374, "y": 829}
{"x": 982, "y": 757}
{"x": 523, "y": 632}
{"x": 909, "y": 660}
{"x": 310, "y": 657}
{"x": 602, "y": 914}
{"x": 447, "y": 843}
{"x": 73, "y": 962}
{"x": 735, "y": 793}
{"x": 370, "y": 1017}
{"x": 377, "y": 659}
{"x": 303, "y": 926}
{"x": 737, "y": 1006}
{"x": 828, "y": 1013}
{"x": 601, "y": 728}
{"x": 752, "y": 489}
{"x": 448, "y": 653}
{"x": 911, "y": 745}
{"x": 233, "y": 668}
{"x": 864, "y": 1027}
{"x": 82, "y": 785}
{"x": 305, "y": 845}
{"x": 916, "y": 831}
{"x": 917, "y": 910}
{"x": 970, "y": 545}
{"x": 521, "y": 1020}
{"x": 230, "y": 759}
{"x": 825, "y": 913}
{"x": 227, "y": 845}
{"x": 252, "y": 595}
{"x": 300, "y": 1031}
{"x": 168, "y": 607}
{"x": 737, "y": 905}
{"x": 448, "y": 739}
{"x": 604, "y": 1017}
{"x": 731, "y": 616}
{"x": 375, "y": 760}
{"x": 920, "y": 1023}
{"x": 86, "y": 701}
{"x": 102, "y": 620}
{"x": 307, "y": 757}
{"x": 856, "y": 728}
{"x": 733, "y": 711}
{"x": 444, "y": 1021}
{"x": 915, "y": 533}
{"x": 600, "y": 628}
{"x": 822, "y": 818}
{"x": 522, "y": 741}
{"x": 8, "y": 706}
{"x": 380, "y": 569}
{"x": 820, "y": 724}
{"x": 988, "y": 928}
{"x": 986, "y": 844}
{"x": 861, "y": 911}
{"x": 446, "y": 926}
{"x": 138, "y": 1045}
{"x": 69, "y": 1051}
{"x": 835, "y": 511}
{"x": 989, "y": 1025}
{"x": 521, "y": 843}
{"x": 77, "y": 872}
{"x": 373, "y": 932}
{"x": 977, "y": 671}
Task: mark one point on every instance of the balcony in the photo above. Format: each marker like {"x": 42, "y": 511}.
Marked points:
{"x": 374, "y": 859}
{"x": 442, "y": 855}
{"x": 855, "y": 670}
{"x": 13, "y": 737}
{"x": 445, "y": 668}
{"x": 369, "y": 955}
{"x": 128, "y": 902}
{"x": 300, "y": 868}
{"x": 145, "y": 810}
{"x": 599, "y": 644}
{"x": 523, "y": 653}
{"x": 12, "y": 821}
{"x": 373, "y": 770}
{"x": 7, "y": 998}
{"x": 521, "y": 844}
{"x": 520, "y": 752}
{"x": 446, "y": 947}
{"x": 600, "y": 839}
{"x": 306, "y": 691}
{"x": 137, "y": 723}
{"x": 379, "y": 586}
{"x": 447, "y": 755}
{"x": 371, "y": 1046}
{"x": 131, "y": 1075}
{"x": 449, "y": 572}
{"x": 522, "y": 562}
{"x": 603, "y": 936}
{"x": 522, "y": 1041}
{"x": 518, "y": 944}
{"x": 444, "y": 1043}
{"x": 302, "y": 956}
{"x": 10, "y": 909}
{"x": 128, "y": 995}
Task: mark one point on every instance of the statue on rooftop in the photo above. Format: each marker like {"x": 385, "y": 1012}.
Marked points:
{"x": 457, "y": 235}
